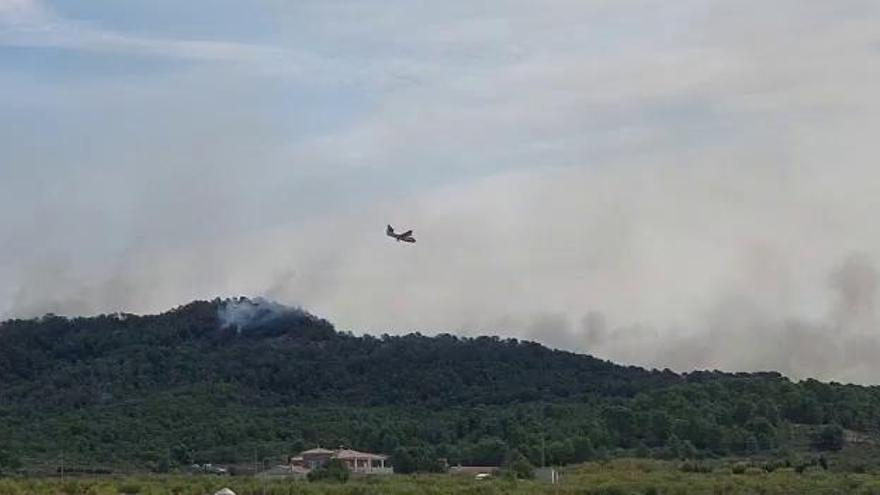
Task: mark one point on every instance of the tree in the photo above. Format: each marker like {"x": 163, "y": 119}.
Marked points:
{"x": 688, "y": 451}
{"x": 743, "y": 411}
{"x": 8, "y": 461}
{"x": 519, "y": 466}
{"x": 181, "y": 454}
{"x": 333, "y": 470}
{"x": 751, "y": 446}
{"x": 803, "y": 407}
{"x": 764, "y": 433}
{"x": 583, "y": 449}
{"x": 621, "y": 421}
{"x": 404, "y": 461}
{"x": 416, "y": 460}
{"x": 768, "y": 410}
{"x": 660, "y": 428}
{"x": 675, "y": 447}
{"x": 830, "y": 437}
{"x": 560, "y": 453}
{"x": 163, "y": 466}
{"x": 487, "y": 452}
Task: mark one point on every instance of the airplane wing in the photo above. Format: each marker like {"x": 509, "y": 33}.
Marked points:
{"x": 408, "y": 239}
{"x": 408, "y": 233}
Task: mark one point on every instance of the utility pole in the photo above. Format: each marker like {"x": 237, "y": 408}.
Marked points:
{"x": 556, "y": 480}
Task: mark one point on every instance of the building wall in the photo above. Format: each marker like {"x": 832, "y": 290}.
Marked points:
{"x": 314, "y": 461}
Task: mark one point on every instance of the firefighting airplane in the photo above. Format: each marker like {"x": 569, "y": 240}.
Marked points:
{"x": 405, "y": 237}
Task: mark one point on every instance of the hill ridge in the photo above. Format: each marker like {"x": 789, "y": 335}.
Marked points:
{"x": 125, "y": 388}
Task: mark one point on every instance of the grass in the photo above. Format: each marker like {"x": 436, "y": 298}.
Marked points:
{"x": 620, "y": 477}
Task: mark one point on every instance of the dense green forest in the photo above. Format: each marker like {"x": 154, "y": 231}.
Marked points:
{"x": 192, "y": 385}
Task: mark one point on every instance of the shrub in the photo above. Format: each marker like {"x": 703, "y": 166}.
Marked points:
{"x": 129, "y": 488}
{"x": 71, "y": 488}
{"x": 333, "y": 470}
{"x": 8, "y": 488}
{"x": 695, "y": 467}
{"x": 772, "y": 466}
{"x": 517, "y": 465}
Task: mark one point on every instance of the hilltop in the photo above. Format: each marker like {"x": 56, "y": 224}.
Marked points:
{"x": 224, "y": 380}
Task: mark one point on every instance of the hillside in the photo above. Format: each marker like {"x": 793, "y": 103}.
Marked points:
{"x": 223, "y": 381}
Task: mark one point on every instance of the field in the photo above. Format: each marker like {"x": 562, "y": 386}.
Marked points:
{"x": 620, "y": 477}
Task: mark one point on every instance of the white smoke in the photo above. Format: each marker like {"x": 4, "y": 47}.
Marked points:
{"x": 244, "y": 313}
{"x": 686, "y": 174}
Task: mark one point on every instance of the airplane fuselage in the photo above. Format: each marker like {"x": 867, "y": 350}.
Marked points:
{"x": 404, "y": 237}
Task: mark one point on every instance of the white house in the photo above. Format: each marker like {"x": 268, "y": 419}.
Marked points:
{"x": 357, "y": 462}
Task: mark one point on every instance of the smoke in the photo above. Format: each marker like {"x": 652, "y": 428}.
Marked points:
{"x": 669, "y": 184}
{"x": 243, "y": 313}
{"x": 739, "y": 332}
{"x": 855, "y": 283}
{"x": 661, "y": 271}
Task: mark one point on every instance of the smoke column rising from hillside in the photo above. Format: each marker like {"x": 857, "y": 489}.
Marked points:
{"x": 243, "y": 314}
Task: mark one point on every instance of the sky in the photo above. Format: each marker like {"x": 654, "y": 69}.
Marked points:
{"x": 687, "y": 184}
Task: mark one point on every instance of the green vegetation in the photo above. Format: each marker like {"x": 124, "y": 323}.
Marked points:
{"x": 830, "y": 437}
{"x": 621, "y": 477}
{"x": 517, "y": 466}
{"x": 141, "y": 393}
{"x": 333, "y": 471}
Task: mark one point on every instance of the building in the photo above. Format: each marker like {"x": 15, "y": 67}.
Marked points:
{"x": 314, "y": 458}
{"x": 363, "y": 462}
{"x": 357, "y": 462}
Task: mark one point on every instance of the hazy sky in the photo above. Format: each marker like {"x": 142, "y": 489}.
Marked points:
{"x": 684, "y": 184}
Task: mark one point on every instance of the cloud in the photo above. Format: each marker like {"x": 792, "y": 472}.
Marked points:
{"x": 28, "y": 23}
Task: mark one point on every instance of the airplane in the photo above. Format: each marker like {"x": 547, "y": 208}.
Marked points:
{"x": 405, "y": 237}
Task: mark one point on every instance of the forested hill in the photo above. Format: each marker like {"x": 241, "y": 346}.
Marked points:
{"x": 279, "y": 357}
{"x": 219, "y": 380}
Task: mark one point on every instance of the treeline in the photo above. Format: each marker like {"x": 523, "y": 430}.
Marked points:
{"x": 179, "y": 387}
